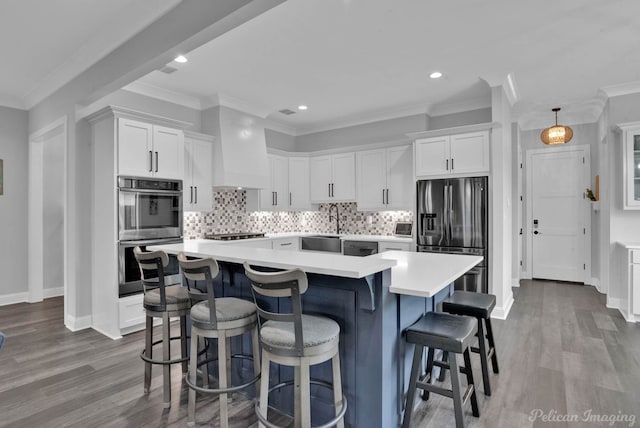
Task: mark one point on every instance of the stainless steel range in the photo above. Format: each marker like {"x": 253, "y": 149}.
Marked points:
{"x": 234, "y": 236}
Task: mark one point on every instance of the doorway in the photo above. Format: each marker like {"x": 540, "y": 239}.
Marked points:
{"x": 558, "y": 225}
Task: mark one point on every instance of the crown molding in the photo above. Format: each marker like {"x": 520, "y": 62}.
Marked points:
{"x": 104, "y": 41}
{"x": 454, "y": 130}
{"x": 459, "y": 107}
{"x": 239, "y": 104}
{"x": 163, "y": 94}
{"x": 622, "y": 89}
{"x": 117, "y": 111}
{"x": 366, "y": 117}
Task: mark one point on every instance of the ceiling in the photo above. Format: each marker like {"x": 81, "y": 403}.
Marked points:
{"x": 355, "y": 61}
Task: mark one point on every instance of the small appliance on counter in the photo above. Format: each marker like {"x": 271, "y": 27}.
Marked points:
{"x": 403, "y": 229}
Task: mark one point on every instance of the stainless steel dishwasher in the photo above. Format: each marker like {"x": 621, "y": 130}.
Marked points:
{"x": 359, "y": 248}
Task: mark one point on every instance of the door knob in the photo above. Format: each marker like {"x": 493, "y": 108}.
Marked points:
{"x": 536, "y": 232}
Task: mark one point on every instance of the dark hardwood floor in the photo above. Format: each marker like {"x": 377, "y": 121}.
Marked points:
{"x": 561, "y": 351}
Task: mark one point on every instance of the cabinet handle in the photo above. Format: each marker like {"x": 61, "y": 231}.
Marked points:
{"x": 452, "y": 164}
{"x": 332, "y": 195}
{"x": 150, "y": 161}
{"x": 387, "y": 197}
{"x": 383, "y": 202}
{"x": 276, "y": 198}
{"x": 285, "y": 244}
{"x": 156, "y": 161}
{"x": 329, "y": 191}
{"x": 191, "y": 195}
{"x": 290, "y": 199}
{"x": 196, "y": 199}
{"x": 447, "y": 166}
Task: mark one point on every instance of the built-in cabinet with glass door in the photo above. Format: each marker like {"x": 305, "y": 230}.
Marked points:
{"x": 631, "y": 170}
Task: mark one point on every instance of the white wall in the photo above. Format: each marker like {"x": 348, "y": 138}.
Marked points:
{"x": 470, "y": 117}
{"x": 14, "y": 150}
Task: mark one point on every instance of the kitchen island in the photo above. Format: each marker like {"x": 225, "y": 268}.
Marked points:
{"x": 372, "y": 298}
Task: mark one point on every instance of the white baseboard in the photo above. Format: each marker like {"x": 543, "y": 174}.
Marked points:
{"x": 502, "y": 313}
{"x": 515, "y": 282}
{"x": 11, "y": 299}
{"x": 615, "y": 303}
{"x": 110, "y": 336}
{"x": 76, "y": 324}
{"x": 53, "y": 292}
{"x": 525, "y": 275}
{"x": 596, "y": 283}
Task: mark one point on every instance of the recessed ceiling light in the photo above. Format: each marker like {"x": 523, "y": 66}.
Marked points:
{"x": 302, "y": 107}
{"x": 181, "y": 59}
{"x": 435, "y": 75}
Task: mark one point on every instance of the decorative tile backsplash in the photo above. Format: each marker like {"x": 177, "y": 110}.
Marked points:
{"x": 229, "y": 215}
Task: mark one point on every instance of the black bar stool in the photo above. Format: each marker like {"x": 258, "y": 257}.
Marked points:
{"x": 297, "y": 340}
{"x": 479, "y": 306}
{"x": 162, "y": 301}
{"x": 450, "y": 333}
{"x": 221, "y": 318}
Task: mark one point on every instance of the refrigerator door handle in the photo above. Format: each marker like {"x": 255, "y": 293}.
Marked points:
{"x": 445, "y": 213}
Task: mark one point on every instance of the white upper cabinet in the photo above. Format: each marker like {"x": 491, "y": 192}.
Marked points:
{"x": 275, "y": 196}
{"x": 452, "y": 154}
{"x": 333, "y": 178}
{"x": 631, "y": 169}
{"x": 299, "y": 198}
{"x": 384, "y": 179}
{"x": 146, "y": 150}
{"x": 198, "y": 162}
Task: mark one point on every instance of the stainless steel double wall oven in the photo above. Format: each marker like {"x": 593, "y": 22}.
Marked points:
{"x": 149, "y": 213}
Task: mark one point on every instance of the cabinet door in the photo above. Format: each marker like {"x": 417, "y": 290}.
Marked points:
{"x": 198, "y": 192}
{"x": 432, "y": 156}
{"x": 320, "y": 178}
{"x": 371, "y": 168}
{"x": 470, "y": 152}
{"x": 399, "y": 178}
{"x": 135, "y": 148}
{"x": 168, "y": 153}
{"x": 299, "y": 184}
{"x": 280, "y": 182}
{"x": 267, "y": 197}
{"x": 632, "y": 168}
{"x": 343, "y": 167}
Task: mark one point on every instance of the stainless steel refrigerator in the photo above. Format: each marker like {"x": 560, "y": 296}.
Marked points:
{"x": 452, "y": 218}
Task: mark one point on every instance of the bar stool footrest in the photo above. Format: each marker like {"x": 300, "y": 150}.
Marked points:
{"x": 329, "y": 424}
{"x": 163, "y": 362}
{"x": 221, "y": 390}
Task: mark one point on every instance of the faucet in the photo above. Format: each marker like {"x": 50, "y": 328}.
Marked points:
{"x": 331, "y": 207}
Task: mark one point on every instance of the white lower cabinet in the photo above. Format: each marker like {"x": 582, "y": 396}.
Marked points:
{"x": 634, "y": 285}
{"x": 131, "y": 313}
{"x": 394, "y": 246}
{"x": 286, "y": 244}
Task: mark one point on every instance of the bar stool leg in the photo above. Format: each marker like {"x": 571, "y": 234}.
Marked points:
{"x": 416, "y": 368}
{"x": 222, "y": 375}
{"x": 148, "y": 351}
{"x": 166, "y": 355}
{"x": 482, "y": 346}
{"x": 443, "y": 373}
{"x": 492, "y": 345}
{"x": 204, "y": 369}
{"x": 455, "y": 386}
{"x": 304, "y": 394}
{"x": 264, "y": 388}
{"x": 337, "y": 387}
{"x": 429, "y": 371}
{"x": 255, "y": 345}
{"x": 193, "y": 368}
{"x": 183, "y": 342}
{"x": 469, "y": 372}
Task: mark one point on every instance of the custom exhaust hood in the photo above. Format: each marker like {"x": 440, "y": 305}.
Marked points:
{"x": 240, "y": 148}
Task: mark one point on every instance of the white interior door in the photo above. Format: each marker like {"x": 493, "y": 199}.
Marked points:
{"x": 558, "y": 230}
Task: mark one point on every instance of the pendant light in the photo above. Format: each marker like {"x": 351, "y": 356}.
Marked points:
{"x": 557, "y": 134}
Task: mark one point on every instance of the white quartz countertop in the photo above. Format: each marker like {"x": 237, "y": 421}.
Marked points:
{"x": 425, "y": 274}
{"x": 381, "y": 238}
{"x": 312, "y": 262}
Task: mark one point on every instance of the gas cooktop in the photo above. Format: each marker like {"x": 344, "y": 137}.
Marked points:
{"x": 234, "y": 236}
